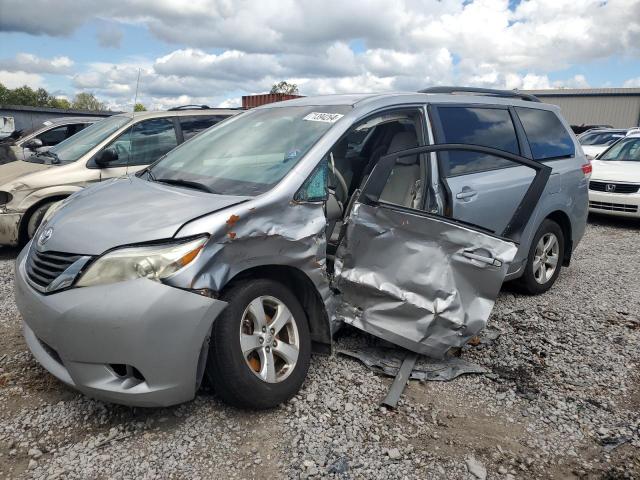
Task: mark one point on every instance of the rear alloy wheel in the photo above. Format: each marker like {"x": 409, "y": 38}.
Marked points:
{"x": 260, "y": 346}
{"x": 545, "y": 259}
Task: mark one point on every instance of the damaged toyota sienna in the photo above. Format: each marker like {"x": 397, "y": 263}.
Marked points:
{"x": 241, "y": 252}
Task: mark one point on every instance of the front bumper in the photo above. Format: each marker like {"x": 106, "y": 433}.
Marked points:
{"x": 85, "y": 337}
{"x": 10, "y": 228}
{"x": 618, "y": 204}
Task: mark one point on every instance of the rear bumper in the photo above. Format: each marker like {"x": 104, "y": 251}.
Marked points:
{"x": 618, "y": 204}
{"x": 9, "y": 228}
{"x": 80, "y": 334}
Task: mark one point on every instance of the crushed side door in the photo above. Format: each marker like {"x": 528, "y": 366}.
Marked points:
{"x": 422, "y": 281}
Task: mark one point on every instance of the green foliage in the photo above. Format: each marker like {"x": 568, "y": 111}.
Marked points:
{"x": 87, "y": 101}
{"x": 285, "y": 87}
{"x": 138, "y": 107}
{"x": 27, "y": 96}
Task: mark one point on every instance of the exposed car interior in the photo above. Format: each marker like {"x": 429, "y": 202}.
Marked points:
{"x": 353, "y": 158}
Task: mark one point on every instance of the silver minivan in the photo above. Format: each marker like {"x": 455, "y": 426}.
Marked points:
{"x": 244, "y": 249}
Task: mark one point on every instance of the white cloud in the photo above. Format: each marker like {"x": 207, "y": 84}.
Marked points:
{"x": 27, "y": 62}
{"x": 18, "y": 79}
{"x": 632, "y": 82}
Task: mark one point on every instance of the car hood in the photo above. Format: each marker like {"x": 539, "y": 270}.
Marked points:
{"x": 593, "y": 150}
{"x": 13, "y": 170}
{"x": 125, "y": 211}
{"x": 611, "y": 171}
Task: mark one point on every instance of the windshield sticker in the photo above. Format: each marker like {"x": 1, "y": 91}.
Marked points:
{"x": 323, "y": 117}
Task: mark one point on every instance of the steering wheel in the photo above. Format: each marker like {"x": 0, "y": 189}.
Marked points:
{"x": 342, "y": 191}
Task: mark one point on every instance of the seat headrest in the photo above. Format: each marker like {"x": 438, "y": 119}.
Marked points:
{"x": 404, "y": 141}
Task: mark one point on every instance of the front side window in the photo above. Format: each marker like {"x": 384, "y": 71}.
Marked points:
{"x": 626, "y": 150}
{"x": 54, "y": 136}
{"x": 487, "y": 127}
{"x": 144, "y": 143}
{"x": 249, "y": 153}
{"x": 547, "y": 136}
{"x": 76, "y": 146}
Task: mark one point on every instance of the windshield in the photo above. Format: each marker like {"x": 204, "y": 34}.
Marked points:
{"x": 77, "y": 145}
{"x": 600, "y": 138}
{"x": 250, "y": 153}
{"x": 627, "y": 150}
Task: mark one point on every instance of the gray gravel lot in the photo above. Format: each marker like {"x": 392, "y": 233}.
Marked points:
{"x": 562, "y": 401}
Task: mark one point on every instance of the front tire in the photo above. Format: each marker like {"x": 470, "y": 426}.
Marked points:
{"x": 545, "y": 259}
{"x": 260, "y": 346}
{"x": 35, "y": 219}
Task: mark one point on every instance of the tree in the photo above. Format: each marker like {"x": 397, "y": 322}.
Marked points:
{"x": 60, "y": 103}
{"x": 138, "y": 107}
{"x": 285, "y": 87}
{"x": 87, "y": 101}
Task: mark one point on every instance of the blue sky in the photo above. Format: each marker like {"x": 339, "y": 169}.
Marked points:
{"x": 213, "y": 51}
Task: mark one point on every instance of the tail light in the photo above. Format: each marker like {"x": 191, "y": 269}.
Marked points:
{"x": 587, "y": 168}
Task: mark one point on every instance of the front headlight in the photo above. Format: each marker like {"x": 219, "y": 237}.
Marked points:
{"x": 153, "y": 262}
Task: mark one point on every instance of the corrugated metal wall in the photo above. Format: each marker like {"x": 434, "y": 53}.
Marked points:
{"x": 619, "y": 112}
{"x": 618, "y": 107}
{"x": 29, "y": 117}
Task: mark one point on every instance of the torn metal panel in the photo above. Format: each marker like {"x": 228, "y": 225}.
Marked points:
{"x": 388, "y": 361}
{"x": 420, "y": 282}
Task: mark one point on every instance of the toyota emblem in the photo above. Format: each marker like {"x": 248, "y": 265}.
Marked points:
{"x": 45, "y": 236}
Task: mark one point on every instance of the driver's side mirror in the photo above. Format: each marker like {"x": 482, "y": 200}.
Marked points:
{"x": 33, "y": 144}
{"x": 106, "y": 156}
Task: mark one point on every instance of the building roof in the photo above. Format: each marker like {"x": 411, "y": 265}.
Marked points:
{"x": 584, "y": 92}
{"x": 89, "y": 113}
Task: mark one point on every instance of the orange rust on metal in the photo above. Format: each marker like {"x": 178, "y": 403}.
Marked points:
{"x": 232, "y": 220}
{"x": 232, "y": 235}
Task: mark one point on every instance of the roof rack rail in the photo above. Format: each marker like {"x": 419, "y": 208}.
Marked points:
{"x": 190, "y": 107}
{"x": 482, "y": 91}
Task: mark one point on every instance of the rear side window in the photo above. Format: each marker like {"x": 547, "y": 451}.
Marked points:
{"x": 487, "y": 127}
{"x": 547, "y": 136}
{"x": 193, "y": 125}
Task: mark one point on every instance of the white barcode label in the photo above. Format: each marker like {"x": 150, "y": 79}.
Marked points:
{"x": 323, "y": 117}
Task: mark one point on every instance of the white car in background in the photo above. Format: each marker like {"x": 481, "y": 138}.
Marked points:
{"x": 614, "y": 188}
{"x": 596, "y": 141}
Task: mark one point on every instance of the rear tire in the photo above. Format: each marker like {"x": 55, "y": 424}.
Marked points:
{"x": 545, "y": 259}
{"x": 248, "y": 365}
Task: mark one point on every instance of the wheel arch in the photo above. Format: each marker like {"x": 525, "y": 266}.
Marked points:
{"x": 22, "y": 231}
{"x": 304, "y": 290}
{"x": 562, "y": 219}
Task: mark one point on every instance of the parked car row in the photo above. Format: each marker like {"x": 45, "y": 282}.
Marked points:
{"x": 238, "y": 252}
{"x": 109, "y": 148}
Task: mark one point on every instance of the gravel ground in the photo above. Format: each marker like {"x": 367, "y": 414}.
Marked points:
{"x": 562, "y": 401}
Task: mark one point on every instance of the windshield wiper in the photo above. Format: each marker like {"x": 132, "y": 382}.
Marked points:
{"x": 185, "y": 183}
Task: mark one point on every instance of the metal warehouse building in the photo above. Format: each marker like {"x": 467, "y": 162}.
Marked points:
{"x": 618, "y": 107}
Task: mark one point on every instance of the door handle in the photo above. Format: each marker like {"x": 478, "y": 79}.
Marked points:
{"x": 481, "y": 258}
{"x": 465, "y": 194}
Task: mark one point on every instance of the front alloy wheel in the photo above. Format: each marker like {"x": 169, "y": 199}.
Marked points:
{"x": 260, "y": 345}
{"x": 269, "y": 339}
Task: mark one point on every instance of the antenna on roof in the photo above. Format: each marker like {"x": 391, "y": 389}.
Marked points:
{"x": 135, "y": 99}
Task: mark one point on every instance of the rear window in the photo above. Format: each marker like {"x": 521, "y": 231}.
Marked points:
{"x": 600, "y": 138}
{"x": 487, "y": 127}
{"x": 547, "y": 136}
{"x": 193, "y": 125}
